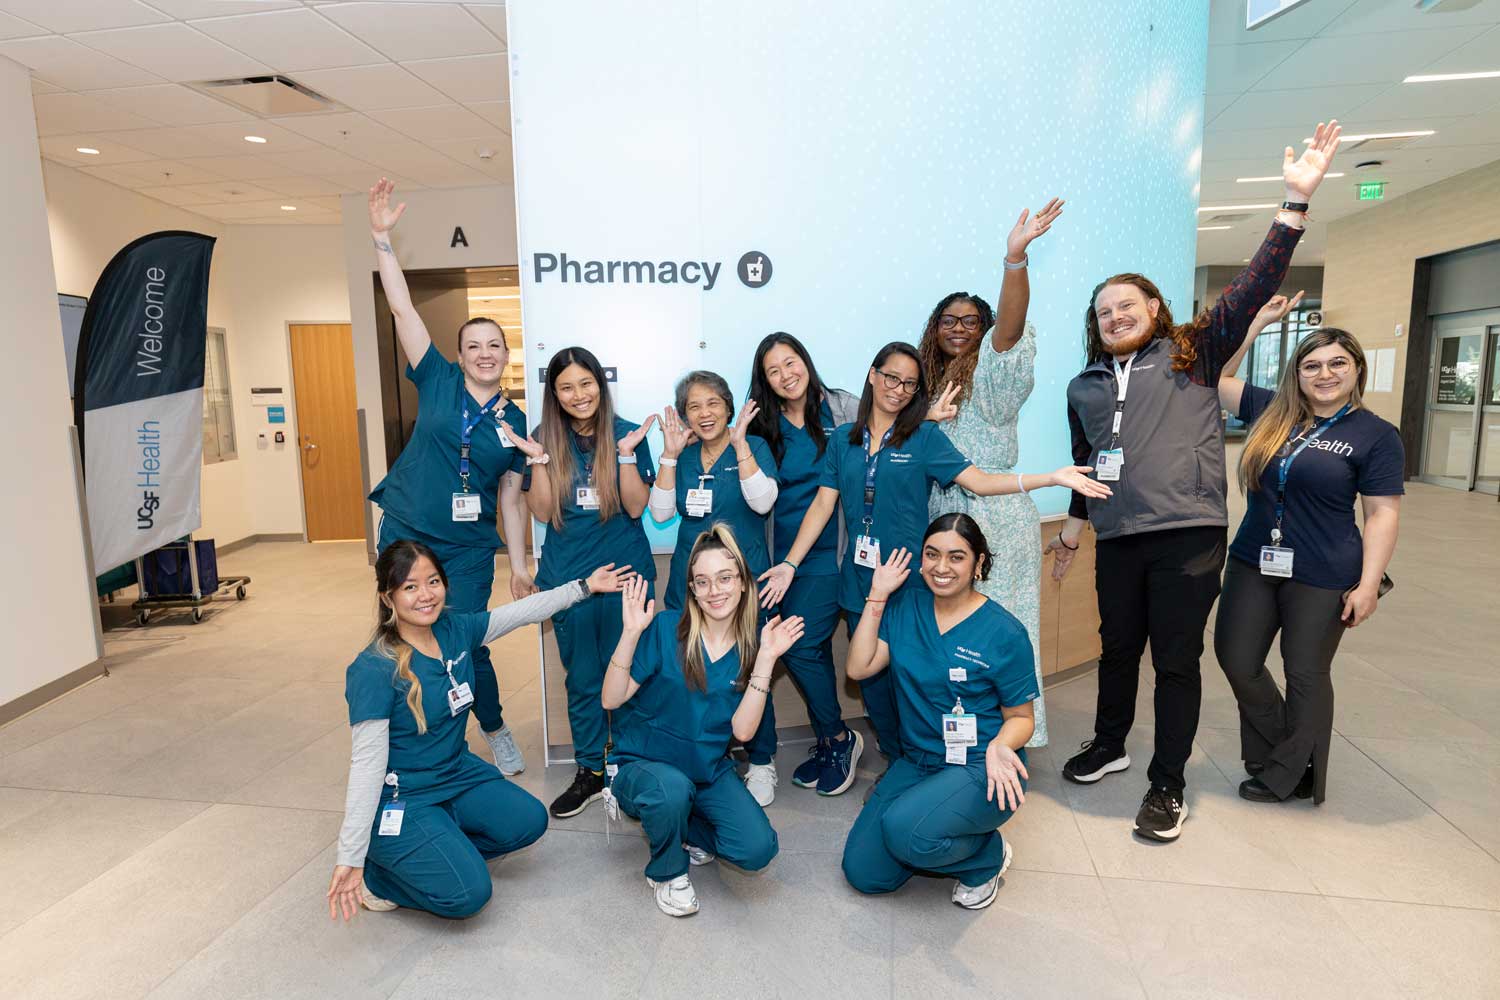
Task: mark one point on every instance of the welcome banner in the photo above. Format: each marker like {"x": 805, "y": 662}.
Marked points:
{"x": 138, "y": 394}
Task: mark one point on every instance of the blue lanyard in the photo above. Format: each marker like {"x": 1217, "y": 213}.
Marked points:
{"x": 466, "y": 428}
{"x": 872, "y": 462}
{"x": 1285, "y": 466}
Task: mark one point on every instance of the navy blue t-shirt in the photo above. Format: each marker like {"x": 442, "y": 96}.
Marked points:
{"x": 1359, "y": 455}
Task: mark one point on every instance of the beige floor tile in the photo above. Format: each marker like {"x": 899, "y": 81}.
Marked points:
{"x": 1437, "y": 952}
{"x": 1459, "y": 781}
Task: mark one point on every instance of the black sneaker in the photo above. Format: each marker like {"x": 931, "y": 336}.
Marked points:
{"x": 1093, "y": 761}
{"x": 1162, "y": 815}
{"x": 586, "y": 787}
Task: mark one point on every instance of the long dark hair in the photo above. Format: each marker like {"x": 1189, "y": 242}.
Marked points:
{"x": 912, "y": 414}
{"x": 391, "y": 571}
{"x": 937, "y": 367}
{"x": 1184, "y": 346}
{"x": 767, "y": 423}
{"x": 556, "y": 428}
{"x": 968, "y": 529}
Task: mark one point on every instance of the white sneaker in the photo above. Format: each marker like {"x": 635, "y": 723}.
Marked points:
{"x": 372, "y": 902}
{"x": 697, "y": 856}
{"x": 675, "y": 898}
{"x": 761, "y": 780}
{"x": 977, "y": 897}
{"x": 507, "y": 755}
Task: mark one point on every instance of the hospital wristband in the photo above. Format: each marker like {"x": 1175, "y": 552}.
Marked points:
{"x": 666, "y": 463}
{"x": 627, "y": 459}
{"x": 1019, "y": 265}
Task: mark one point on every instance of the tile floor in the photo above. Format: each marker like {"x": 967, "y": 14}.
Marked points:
{"x": 167, "y": 831}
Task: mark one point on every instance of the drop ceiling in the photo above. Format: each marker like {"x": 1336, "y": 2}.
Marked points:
{"x": 419, "y": 90}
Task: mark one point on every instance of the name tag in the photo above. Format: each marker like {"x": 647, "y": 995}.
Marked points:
{"x": 957, "y": 674}
{"x": 699, "y": 502}
{"x": 459, "y": 698}
{"x": 867, "y": 552}
{"x": 1109, "y": 464}
{"x": 500, "y": 433}
{"x": 1275, "y": 561}
{"x": 955, "y": 753}
{"x": 587, "y": 498}
{"x": 961, "y": 730}
{"x": 466, "y": 506}
{"x": 391, "y": 817}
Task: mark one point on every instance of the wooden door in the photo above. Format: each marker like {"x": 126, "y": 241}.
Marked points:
{"x": 327, "y": 434}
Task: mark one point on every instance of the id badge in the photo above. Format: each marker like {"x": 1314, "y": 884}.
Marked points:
{"x": 955, "y": 753}
{"x": 699, "y": 502}
{"x": 958, "y": 674}
{"x": 961, "y": 730}
{"x": 1109, "y": 463}
{"x": 867, "y": 552}
{"x": 1275, "y": 560}
{"x": 500, "y": 433}
{"x": 587, "y": 498}
{"x": 466, "y": 506}
{"x": 459, "y": 698}
{"x": 611, "y": 804}
{"x": 391, "y": 817}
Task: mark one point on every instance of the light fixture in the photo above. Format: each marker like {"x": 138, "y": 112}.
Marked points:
{"x": 1277, "y": 177}
{"x": 87, "y": 150}
{"x": 1379, "y": 135}
{"x": 289, "y": 208}
{"x": 1210, "y": 229}
{"x": 254, "y": 138}
{"x": 1488, "y": 74}
{"x": 1238, "y": 208}
{"x": 1245, "y": 261}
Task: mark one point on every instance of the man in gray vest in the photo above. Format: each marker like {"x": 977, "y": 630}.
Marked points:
{"x": 1145, "y": 414}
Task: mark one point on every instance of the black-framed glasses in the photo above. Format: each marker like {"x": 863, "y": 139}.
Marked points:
{"x": 947, "y": 322}
{"x": 1335, "y": 366}
{"x": 906, "y": 385}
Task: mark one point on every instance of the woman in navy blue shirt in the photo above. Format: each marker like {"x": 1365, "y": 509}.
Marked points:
{"x": 1298, "y": 564}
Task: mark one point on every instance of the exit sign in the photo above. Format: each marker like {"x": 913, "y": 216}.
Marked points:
{"x": 1372, "y": 191}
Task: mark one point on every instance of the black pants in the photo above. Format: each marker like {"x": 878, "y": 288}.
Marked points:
{"x": 1282, "y": 733}
{"x": 1157, "y": 586}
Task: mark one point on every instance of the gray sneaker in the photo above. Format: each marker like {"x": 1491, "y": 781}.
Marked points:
{"x": 507, "y": 755}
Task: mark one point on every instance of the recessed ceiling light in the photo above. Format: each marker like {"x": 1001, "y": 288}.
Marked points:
{"x": 87, "y": 150}
{"x": 1277, "y": 177}
{"x": 1209, "y": 229}
{"x": 1379, "y": 135}
{"x": 289, "y": 208}
{"x": 254, "y": 138}
{"x": 1443, "y": 77}
{"x": 1238, "y": 208}
{"x": 1245, "y": 261}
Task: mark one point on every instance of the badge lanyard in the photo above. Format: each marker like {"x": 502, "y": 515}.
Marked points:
{"x": 1286, "y": 464}
{"x": 1122, "y": 375}
{"x": 394, "y": 812}
{"x": 460, "y": 696}
{"x": 1110, "y": 461}
{"x": 466, "y": 428}
{"x": 872, "y": 463}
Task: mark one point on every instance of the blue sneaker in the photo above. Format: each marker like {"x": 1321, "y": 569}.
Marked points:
{"x": 810, "y": 770}
{"x": 843, "y": 757}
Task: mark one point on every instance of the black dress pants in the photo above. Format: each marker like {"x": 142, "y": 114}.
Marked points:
{"x": 1158, "y": 587}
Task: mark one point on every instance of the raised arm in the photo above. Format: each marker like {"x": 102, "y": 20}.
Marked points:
{"x": 994, "y": 484}
{"x": 776, "y": 637}
{"x": 537, "y": 608}
{"x": 634, "y": 493}
{"x": 675, "y": 436}
{"x": 1231, "y": 386}
{"x": 868, "y": 653}
{"x": 410, "y": 329}
{"x": 757, "y": 487}
{"x": 1015, "y": 288}
{"x": 635, "y": 613}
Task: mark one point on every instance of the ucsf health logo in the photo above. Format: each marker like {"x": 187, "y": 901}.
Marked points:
{"x": 753, "y": 269}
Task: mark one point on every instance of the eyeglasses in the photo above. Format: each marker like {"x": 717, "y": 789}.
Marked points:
{"x": 906, "y": 385}
{"x": 1335, "y": 366}
{"x": 723, "y": 583}
{"x": 947, "y": 322}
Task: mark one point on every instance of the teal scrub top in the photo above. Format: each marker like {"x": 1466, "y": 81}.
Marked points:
{"x": 990, "y": 646}
{"x": 797, "y": 478}
{"x": 729, "y": 507}
{"x": 435, "y": 766}
{"x": 584, "y": 543}
{"x": 419, "y": 488}
{"x": 904, "y": 475}
{"x": 672, "y": 723}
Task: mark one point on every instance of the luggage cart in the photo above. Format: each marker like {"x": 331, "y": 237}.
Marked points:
{"x": 195, "y": 598}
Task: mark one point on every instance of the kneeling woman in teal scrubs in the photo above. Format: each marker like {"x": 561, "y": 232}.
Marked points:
{"x": 965, "y": 681}
{"x": 436, "y": 811}
{"x": 698, "y": 677}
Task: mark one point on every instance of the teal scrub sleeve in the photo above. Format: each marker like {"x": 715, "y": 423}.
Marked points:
{"x": 643, "y": 465}
{"x": 517, "y": 422}
{"x": 833, "y": 457}
{"x": 471, "y": 627}
{"x": 1015, "y": 678}
{"x": 431, "y": 365}
{"x": 945, "y": 463}
{"x": 763, "y": 456}
{"x": 369, "y": 687}
{"x": 649, "y": 651}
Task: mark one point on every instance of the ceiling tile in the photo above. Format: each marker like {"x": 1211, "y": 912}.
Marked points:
{"x": 40, "y": 86}
{"x": 1215, "y": 103}
{"x": 175, "y": 143}
{"x": 326, "y": 161}
{"x": 360, "y": 181}
{"x": 174, "y": 51}
{"x": 1262, "y": 144}
{"x": 64, "y": 149}
{"x": 270, "y": 208}
{"x": 291, "y": 40}
{"x": 406, "y": 31}
{"x": 1418, "y": 101}
{"x": 452, "y": 175}
{"x": 1480, "y": 54}
{"x": 1226, "y": 22}
{"x": 185, "y": 9}
{"x": 153, "y": 173}
{"x": 1294, "y": 109}
{"x": 349, "y": 132}
{"x": 497, "y": 113}
{"x": 1354, "y": 59}
{"x": 467, "y": 78}
{"x": 67, "y": 64}
{"x": 84, "y": 15}
{"x": 57, "y": 114}
{"x": 491, "y": 15}
{"x": 241, "y": 168}
{"x": 14, "y": 27}
{"x": 229, "y": 191}
{"x": 448, "y": 121}
{"x": 371, "y": 88}
{"x": 303, "y": 186}
{"x": 1236, "y": 68}
{"x": 1368, "y": 16}
{"x": 174, "y": 196}
{"x": 1473, "y": 130}
{"x": 122, "y": 176}
{"x": 172, "y": 104}
{"x": 278, "y": 139}
{"x": 500, "y": 167}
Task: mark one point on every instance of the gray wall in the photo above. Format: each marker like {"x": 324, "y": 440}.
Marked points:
{"x": 1465, "y": 280}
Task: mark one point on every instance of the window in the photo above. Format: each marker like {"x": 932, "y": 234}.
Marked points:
{"x": 218, "y": 410}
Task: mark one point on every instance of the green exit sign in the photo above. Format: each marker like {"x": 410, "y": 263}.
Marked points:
{"x": 1372, "y": 190}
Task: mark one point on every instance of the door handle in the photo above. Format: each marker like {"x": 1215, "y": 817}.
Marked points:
{"x": 309, "y": 446}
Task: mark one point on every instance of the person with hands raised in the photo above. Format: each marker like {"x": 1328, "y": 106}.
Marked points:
{"x": 989, "y": 357}
{"x": 1146, "y": 413}
{"x": 964, "y": 675}
{"x": 422, "y": 814}
{"x": 880, "y": 467}
{"x": 699, "y": 677}
{"x": 459, "y": 468}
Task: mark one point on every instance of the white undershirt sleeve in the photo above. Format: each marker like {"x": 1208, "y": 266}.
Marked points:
{"x": 760, "y": 492}
{"x": 369, "y": 751}
{"x": 662, "y": 505}
{"x": 534, "y": 609}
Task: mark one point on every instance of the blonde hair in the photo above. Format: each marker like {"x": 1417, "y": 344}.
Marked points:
{"x": 391, "y": 570}
{"x": 555, "y": 432}
{"x": 1290, "y": 408}
{"x": 746, "y": 615}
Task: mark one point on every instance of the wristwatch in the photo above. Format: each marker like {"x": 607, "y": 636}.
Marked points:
{"x": 1294, "y": 206}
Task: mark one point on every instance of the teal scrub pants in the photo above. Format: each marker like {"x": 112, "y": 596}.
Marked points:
{"x": 720, "y": 817}
{"x": 437, "y": 862}
{"x": 879, "y": 693}
{"x": 810, "y": 660}
{"x": 587, "y": 635}
{"x": 926, "y": 816}
{"x": 471, "y": 578}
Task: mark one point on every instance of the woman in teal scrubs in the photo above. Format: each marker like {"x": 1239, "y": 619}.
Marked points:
{"x": 725, "y": 476}
{"x": 458, "y": 469}
{"x": 965, "y": 679}
{"x": 590, "y": 491}
{"x": 698, "y": 677}
{"x": 881, "y": 468}
{"x": 422, "y": 813}
{"x": 796, "y": 416}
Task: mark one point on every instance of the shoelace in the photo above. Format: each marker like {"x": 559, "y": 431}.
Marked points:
{"x": 1163, "y": 800}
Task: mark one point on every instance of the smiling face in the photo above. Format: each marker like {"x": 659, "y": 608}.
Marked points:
{"x": 902, "y": 370}
{"x": 418, "y": 600}
{"x": 706, "y": 414}
{"x": 716, "y": 584}
{"x": 785, "y": 373}
{"x": 1127, "y": 318}
{"x": 577, "y": 392}
{"x": 959, "y": 326}
{"x": 482, "y": 354}
{"x": 1327, "y": 377}
{"x": 948, "y": 564}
